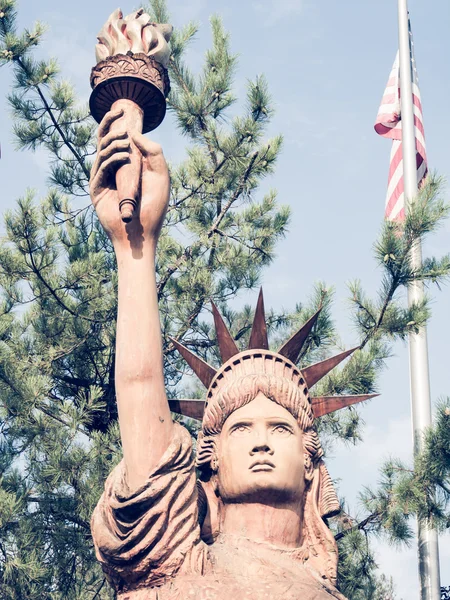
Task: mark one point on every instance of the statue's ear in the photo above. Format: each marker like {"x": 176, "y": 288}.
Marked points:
{"x": 214, "y": 462}
{"x": 309, "y": 468}
{"x": 206, "y": 457}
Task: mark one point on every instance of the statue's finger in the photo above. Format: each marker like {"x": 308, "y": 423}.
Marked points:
{"x": 107, "y": 121}
{"x": 112, "y": 148}
{"x": 111, "y": 137}
{"x": 114, "y": 162}
{"x": 106, "y": 167}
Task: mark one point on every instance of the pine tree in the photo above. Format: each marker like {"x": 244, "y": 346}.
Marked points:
{"x": 422, "y": 489}
{"x": 59, "y": 434}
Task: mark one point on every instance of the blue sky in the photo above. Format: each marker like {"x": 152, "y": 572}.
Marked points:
{"x": 327, "y": 64}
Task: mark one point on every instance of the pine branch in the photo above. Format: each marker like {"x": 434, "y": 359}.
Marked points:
{"x": 55, "y": 122}
{"x": 236, "y": 194}
{"x": 39, "y": 275}
{"x": 99, "y": 588}
{"x": 189, "y": 250}
{"x": 361, "y": 526}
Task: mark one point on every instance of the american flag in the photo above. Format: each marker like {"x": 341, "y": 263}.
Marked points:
{"x": 389, "y": 125}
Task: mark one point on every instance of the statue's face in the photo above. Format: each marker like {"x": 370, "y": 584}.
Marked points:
{"x": 260, "y": 454}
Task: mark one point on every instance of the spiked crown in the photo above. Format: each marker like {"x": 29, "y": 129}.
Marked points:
{"x": 257, "y": 359}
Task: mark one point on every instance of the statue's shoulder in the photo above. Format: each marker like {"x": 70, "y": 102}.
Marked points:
{"x": 150, "y": 532}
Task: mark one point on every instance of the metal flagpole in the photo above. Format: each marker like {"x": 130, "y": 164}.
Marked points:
{"x": 418, "y": 351}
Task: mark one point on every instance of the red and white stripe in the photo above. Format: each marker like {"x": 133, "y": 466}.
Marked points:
{"x": 389, "y": 125}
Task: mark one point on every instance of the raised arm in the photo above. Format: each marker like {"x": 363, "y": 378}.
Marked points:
{"x": 146, "y": 426}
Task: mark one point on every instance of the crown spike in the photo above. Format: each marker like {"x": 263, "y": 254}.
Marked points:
{"x": 324, "y": 405}
{"x": 258, "y": 336}
{"x": 227, "y": 345}
{"x": 292, "y": 348}
{"x": 201, "y": 368}
{"x": 188, "y": 407}
{"x": 316, "y": 372}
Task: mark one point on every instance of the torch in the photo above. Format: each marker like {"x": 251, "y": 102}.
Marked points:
{"x": 131, "y": 74}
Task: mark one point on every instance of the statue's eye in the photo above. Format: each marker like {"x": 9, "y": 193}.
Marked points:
{"x": 239, "y": 429}
{"x": 283, "y": 429}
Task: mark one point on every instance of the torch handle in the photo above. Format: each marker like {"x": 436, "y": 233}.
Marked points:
{"x": 128, "y": 176}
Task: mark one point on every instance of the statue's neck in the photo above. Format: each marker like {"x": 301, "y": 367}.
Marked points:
{"x": 281, "y": 526}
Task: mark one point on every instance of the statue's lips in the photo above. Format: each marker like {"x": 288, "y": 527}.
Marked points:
{"x": 262, "y": 465}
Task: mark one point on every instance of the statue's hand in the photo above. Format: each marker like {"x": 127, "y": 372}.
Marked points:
{"x": 114, "y": 150}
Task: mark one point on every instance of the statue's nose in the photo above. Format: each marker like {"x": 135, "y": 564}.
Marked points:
{"x": 261, "y": 443}
{"x": 261, "y": 448}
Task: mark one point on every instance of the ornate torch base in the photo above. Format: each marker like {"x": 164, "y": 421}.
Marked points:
{"x": 135, "y": 77}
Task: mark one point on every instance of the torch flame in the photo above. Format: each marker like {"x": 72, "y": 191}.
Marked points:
{"x": 134, "y": 33}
